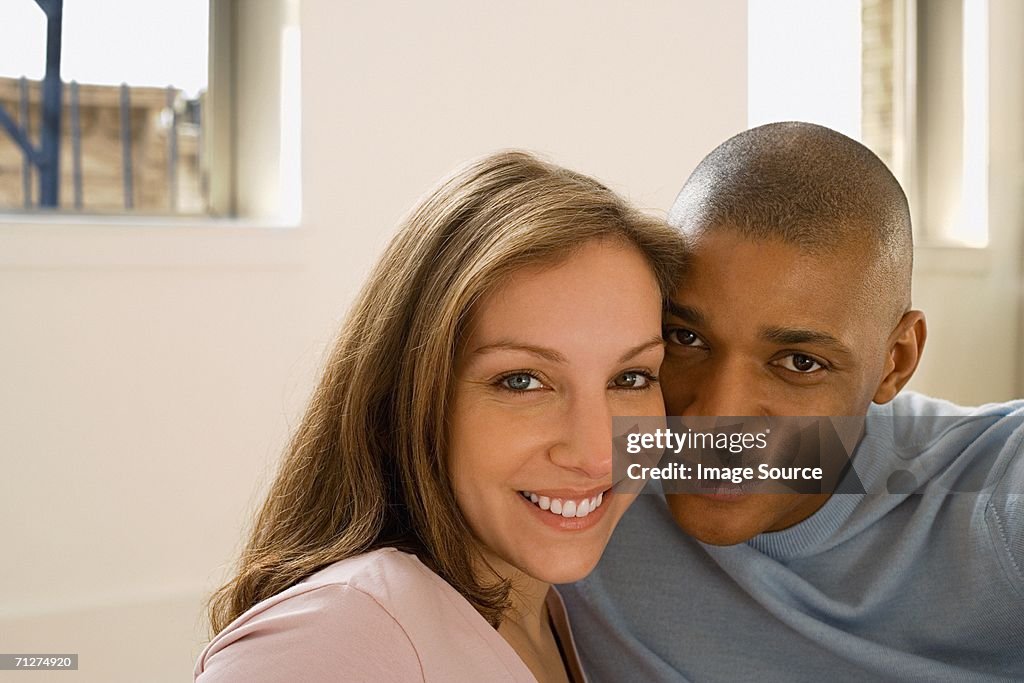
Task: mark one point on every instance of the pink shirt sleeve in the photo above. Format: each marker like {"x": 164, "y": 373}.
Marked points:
{"x": 327, "y": 633}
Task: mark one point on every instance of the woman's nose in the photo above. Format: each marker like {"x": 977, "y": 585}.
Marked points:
{"x": 586, "y": 439}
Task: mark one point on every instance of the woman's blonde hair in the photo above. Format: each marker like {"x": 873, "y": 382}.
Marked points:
{"x": 367, "y": 467}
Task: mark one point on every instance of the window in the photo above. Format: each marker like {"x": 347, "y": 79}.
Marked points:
{"x": 185, "y": 109}
{"x": 926, "y": 109}
{"x": 124, "y": 113}
{"x": 909, "y": 78}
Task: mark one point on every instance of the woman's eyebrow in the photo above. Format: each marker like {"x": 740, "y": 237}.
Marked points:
{"x": 555, "y": 356}
{"x": 546, "y": 353}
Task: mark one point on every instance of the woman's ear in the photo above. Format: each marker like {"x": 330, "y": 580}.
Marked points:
{"x": 905, "y": 346}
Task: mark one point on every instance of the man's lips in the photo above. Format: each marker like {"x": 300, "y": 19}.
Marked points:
{"x": 720, "y": 489}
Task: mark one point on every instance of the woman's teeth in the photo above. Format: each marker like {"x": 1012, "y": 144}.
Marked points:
{"x": 565, "y": 508}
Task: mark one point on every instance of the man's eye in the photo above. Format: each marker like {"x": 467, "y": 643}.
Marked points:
{"x": 798, "y": 362}
{"x": 634, "y": 379}
{"x": 683, "y": 337}
{"x": 520, "y": 381}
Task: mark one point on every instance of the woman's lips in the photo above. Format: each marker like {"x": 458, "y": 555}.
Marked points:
{"x": 568, "y": 512}
{"x": 566, "y": 506}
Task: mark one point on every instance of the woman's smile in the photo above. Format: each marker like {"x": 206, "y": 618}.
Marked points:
{"x": 566, "y": 512}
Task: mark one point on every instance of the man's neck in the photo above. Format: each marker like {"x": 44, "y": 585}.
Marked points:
{"x": 807, "y": 506}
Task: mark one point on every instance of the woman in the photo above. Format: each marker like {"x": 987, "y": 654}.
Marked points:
{"x": 455, "y": 460}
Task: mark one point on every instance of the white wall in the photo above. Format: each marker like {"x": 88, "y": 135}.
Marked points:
{"x": 151, "y": 374}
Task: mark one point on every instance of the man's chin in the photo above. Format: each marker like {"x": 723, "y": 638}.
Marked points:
{"x": 720, "y": 521}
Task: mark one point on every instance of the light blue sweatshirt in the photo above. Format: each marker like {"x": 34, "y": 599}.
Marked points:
{"x": 925, "y": 586}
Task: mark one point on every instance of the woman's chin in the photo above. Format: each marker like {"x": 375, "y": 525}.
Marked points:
{"x": 556, "y": 548}
{"x": 563, "y": 566}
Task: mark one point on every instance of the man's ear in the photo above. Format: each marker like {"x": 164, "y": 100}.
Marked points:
{"x": 906, "y": 344}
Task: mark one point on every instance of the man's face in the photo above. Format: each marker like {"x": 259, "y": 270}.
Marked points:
{"x": 760, "y": 328}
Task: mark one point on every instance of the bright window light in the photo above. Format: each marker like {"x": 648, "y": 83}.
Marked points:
{"x": 971, "y": 227}
{"x": 804, "y": 63}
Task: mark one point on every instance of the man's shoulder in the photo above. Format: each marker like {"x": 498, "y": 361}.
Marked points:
{"x": 985, "y": 446}
{"x": 913, "y": 424}
{"x": 914, "y": 404}
{"x": 1004, "y": 515}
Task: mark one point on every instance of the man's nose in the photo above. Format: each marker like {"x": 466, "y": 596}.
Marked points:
{"x": 586, "y": 440}
{"x": 726, "y": 388}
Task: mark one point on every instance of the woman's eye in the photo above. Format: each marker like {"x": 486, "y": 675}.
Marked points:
{"x": 683, "y": 337}
{"x": 521, "y": 381}
{"x": 634, "y": 379}
{"x": 798, "y": 362}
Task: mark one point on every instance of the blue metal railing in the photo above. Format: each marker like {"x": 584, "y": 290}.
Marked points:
{"x": 177, "y": 113}
{"x": 126, "y": 147}
{"x": 76, "y": 146}
{"x": 172, "y": 150}
{"x": 26, "y": 123}
{"x": 45, "y": 158}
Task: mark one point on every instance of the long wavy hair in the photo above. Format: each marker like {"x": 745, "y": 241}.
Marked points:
{"x": 367, "y": 467}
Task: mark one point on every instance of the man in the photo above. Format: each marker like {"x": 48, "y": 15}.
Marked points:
{"x": 797, "y": 302}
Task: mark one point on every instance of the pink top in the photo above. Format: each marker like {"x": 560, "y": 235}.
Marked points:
{"x": 381, "y": 616}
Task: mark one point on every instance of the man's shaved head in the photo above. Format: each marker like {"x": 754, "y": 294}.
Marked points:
{"x": 810, "y": 187}
{"x": 795, "y": 300}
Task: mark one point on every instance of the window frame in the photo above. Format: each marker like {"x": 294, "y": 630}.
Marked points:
{"x": 228, "y": 237}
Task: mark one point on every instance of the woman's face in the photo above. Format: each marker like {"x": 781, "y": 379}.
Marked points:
{"x": 550, "y": 357}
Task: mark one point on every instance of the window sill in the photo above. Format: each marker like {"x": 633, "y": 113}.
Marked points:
{"x": 40, "y": 241}
{"x": 932, "y": 259}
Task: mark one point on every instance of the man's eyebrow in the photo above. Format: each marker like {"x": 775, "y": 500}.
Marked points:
{"x": 791, "y": 335}
{"x": 547, "y": 354}
{"x": 687, "y": 314}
